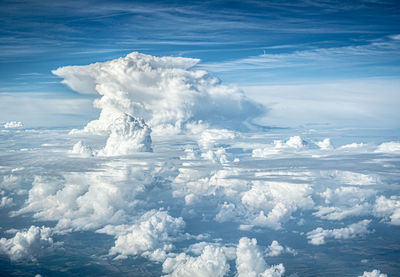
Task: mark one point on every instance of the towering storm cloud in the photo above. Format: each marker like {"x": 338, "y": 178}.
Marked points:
{"x": 164, "y": 91}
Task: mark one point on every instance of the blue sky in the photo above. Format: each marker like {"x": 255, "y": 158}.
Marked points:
{"x": 243, "y": 42}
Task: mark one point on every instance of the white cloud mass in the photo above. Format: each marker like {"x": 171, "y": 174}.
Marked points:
{"x": 150, "y": 236}
{"x": 211, "y": 263}
{"x": 27, "y": 244}
{"x": 250, "y": 261}
{"x": 128, "y": 135}
{"x": 164, "y": 91}
{"x": 318, "y": 236}
{"x": 373, "y": 273}
{"x": 13, "y": 124}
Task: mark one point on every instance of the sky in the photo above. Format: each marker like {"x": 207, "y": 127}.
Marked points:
{"x": 248, "y": 138}
{"x": 259, "y": 44}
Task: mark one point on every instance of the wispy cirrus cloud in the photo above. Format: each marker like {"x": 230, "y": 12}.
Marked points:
{"x": 372, "y": 59}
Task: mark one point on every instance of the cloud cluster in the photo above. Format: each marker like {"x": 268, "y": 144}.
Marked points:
{"x": 318, "y": 236}
{"x": 13, "y": 124}
{"x": 296, "y": 144}
{"x": 373, "y": 273}
{"x": 389, "y": 147}
{"x": 275, "y": 249}
{"x": 181, "y": 205}
{"x": 292, "y": 144}
{"x": 150, "y": 236}
{"x": 164, "y": 91}
{"x": 211, "y": 263}
{"x": 274, "y": 202}
{"x": 6, "y": 202}
{"x": 89, "y": 200}
{"x": 250, "y": 261}
{"x": 128, "y": 135}
{"x": 27, "y": 244}
{"x": 81, "y": 149}
{"x": 389, "y": 209}
{"x": 354, "y": 178}
{"x": 345, "y": 201}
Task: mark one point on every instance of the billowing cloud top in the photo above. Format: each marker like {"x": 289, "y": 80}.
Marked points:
{"x": 164, "y": 91}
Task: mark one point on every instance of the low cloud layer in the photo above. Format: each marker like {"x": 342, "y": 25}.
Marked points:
{"x": 156, "y": 186}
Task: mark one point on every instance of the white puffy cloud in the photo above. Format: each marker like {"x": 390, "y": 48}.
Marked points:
{"x": 373, "y": 273}
{"x": 193, "y": 183}
{"x": 324, "y": 144}
{"x": 81, "y": 149}
{"x": 318, "y": 236}
{"x": 352, "y": 146}
{"x": 13, "y": 124}
{"x": 89, "y": 200}
{"x": 6, "y": 202}
{"x": 150, "y": 236}
{"x": 345, "y": 202}
{"x": 211, "y": 137}
{"x": 275, "y": 249}
{"x": 164, "y": 91}
{"x": 250, "y": 261}
{"x": 253, "y": 203}
{"x": 128, "y": 135}
{"x": 392, "y": 147}
{"x": 27, "y": 244}
{"x": 354, "y": 178}
{"x": 211, "y": 263}
{"x": 388, "y": 208}
{"x": 274, "y": 202}
{"x": 294, "y": 143}
{"x": 198, "y": 248}
{"x": 227, "y": 212}
{"x": 217, "y": 156}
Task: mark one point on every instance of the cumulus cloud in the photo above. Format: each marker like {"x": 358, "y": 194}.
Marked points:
{"x": 211, "y": 263}
{"x": 150, "y": 236}
{"x": 388, "y": 208}
{"x": 164, "y": 91}
{"x": 352, "y": 146}
{"x": 324, "y": 144}
{"x": 81, "y": 149}
{"x": 250, "y": 261}
{"x": 254, "y": 203}
{"x": 392, "y": 147}
{"x": 354, "y": 178}
{"x": 318, "y": 236}
{"x": 128, "y": 135}
{"x": 373, "y": 273}
{"x": 275, "y": 249}
{"x": 89, "y": 200}
{"x": 292, "y": 144}
{"x": 274, "y": 202}
{"x": 344, "y": 202}
{"x": 13, "y": 124}
{"x": 27, "y": 244}
{"x": 6, "y": 202}
{"x": 212, "y": 137}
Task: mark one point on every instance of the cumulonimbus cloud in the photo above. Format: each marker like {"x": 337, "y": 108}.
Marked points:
{"x": 164, "y": 91}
